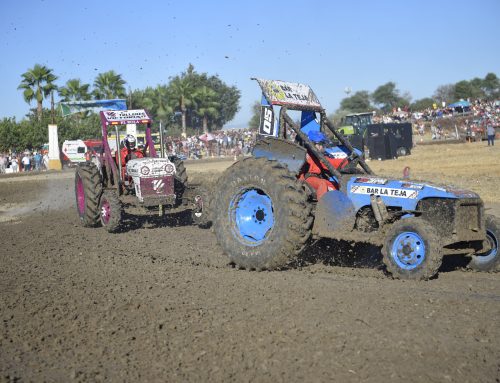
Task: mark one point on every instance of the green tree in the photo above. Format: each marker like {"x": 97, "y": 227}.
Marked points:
{"x": 228, "y": 98}
{"x": 37, "y": 83}
{"x": 463, "y": 90}
{"x": 207, "y": 106}
{"x": 157, "y": 102}
{"x": 109, "y": 85}
{"x": 255, "y": 119}
{"x": 422, "y": 104}
{"x": 74, "y": 90}
{"x": 477, "y": 90}
{"x": 10, "y": 135}
{"x": 387, "y": 96}
{"x": 359, "y": 102}
{"x": 491, "y": 86}
{"x": 182, "y": 89}
{"x": 445, "y": 93}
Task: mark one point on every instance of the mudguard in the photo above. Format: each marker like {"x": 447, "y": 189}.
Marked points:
{"x": 285, "y": 152}
{"x": 335, "y": 213}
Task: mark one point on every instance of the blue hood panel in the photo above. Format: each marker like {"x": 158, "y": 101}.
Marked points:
{"x": 397, "y": 193}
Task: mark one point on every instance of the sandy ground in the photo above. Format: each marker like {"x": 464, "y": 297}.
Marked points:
{"x": 158, "y": 302}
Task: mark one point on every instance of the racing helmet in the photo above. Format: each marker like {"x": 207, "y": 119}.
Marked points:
{"x": 129, "y": 141}
{"x": 316, "y": 136}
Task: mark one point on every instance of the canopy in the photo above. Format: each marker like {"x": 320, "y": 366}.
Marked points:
{"x": 206, "y": 137}
{"x": 460, "y": 104}
{"x": 71, "y": 107}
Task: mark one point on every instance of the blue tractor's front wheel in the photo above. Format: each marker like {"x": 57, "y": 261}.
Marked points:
{"x": 490, "y": 259}
{"x": 262, "y": 215}
{"x": 412, "y": 249}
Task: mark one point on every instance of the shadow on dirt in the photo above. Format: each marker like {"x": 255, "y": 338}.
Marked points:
{"x": 152, "y": 220}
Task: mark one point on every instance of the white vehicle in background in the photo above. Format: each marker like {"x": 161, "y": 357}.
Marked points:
{"x": 78, "y": 151}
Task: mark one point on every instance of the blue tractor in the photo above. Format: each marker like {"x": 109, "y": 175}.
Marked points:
{"x": 268, "y": 208}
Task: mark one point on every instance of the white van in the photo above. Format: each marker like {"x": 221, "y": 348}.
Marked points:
{"x": 74, "y": 151}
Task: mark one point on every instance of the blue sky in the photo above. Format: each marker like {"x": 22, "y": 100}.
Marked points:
{"x": 329, "y": 45}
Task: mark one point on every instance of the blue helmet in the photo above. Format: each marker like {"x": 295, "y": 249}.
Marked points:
{"x": 316, "y": 136}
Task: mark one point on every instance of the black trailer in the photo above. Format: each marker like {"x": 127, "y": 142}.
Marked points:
{"x": 388, "y": 141}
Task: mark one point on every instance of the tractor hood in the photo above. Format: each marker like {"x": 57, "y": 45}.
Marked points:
{"x": 403, "y": 193}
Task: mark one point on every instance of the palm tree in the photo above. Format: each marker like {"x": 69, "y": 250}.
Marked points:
{"x": 37, "y": 84}
{"x": 109, "y": 85}
{"x": 157, "y": 101}
{"x": 206, "y": 104}
{"x": 182, "y": 90}
{"x": 74, "y": 90}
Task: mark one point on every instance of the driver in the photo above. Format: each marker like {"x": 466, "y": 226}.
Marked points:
{"x": 313, "y": 169}
{"x": 129, "y": 150}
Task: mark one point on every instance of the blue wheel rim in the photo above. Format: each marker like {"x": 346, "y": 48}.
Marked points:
{"x": 493, "y": 253}
{"x": 408, "y": 250}
{"x": 252, "y": 216}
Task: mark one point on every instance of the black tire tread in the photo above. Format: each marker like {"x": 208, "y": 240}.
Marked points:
{"x": 116, "y": 209}
{"x": 181, "y": 178}
{"x": 298, "y": 219}
{"x": 92, "y": 186}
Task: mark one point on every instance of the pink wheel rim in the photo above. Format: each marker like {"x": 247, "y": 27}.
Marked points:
{"x": 80, "y": 196}
{"x": 105, "y": 212}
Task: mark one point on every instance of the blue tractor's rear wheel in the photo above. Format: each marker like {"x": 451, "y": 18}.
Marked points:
{"x": 262, "y": 216}
{"x": 412, "y": 249}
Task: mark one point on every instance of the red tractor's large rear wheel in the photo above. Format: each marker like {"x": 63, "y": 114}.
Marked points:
{"x": 88, "y": 190}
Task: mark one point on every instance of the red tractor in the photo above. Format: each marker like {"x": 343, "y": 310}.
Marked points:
{"x": 134, "y": 177}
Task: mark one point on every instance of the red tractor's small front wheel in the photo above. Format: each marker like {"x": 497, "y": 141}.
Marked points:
{"x": 111, "y": 210}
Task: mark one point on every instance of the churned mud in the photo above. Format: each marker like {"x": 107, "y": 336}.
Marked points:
{"x": 158, "y": 302}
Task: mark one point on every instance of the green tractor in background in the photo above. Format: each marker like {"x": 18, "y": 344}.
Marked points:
{"x": 353, "y": 126}
{"x": 383, "y": 141}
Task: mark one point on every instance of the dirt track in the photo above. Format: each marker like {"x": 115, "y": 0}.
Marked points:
{"x": 158, "y": 303}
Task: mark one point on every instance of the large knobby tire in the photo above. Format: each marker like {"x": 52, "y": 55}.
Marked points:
{"x": 412, "y": 250}
{"x": 88, "y": 190}
{"x": 111, "y": 211}
{"x": 180, "y": 179}
{"x": 490, "y": 260}
{"x": 262, "y": 216}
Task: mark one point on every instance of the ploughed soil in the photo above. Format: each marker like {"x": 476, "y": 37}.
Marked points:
{"x": 159, "y": 302}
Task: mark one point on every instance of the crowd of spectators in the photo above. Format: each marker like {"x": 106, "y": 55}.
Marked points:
{"x": 23, "y": 162}
{"x": 223, "y": 143}
{"x": 449, "y": 122}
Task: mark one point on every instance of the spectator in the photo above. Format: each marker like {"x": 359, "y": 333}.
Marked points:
{"x": 490, "y": 131}
{"x": 14, "y": 164}
{"x": 3, "y": 163}
{"x": 38, "y": 161}
{"x": 26, "y": 162}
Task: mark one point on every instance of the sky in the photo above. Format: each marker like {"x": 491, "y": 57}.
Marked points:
{"x": 329, "y": 45}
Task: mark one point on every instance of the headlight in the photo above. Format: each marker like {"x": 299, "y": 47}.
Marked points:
{"x": 169, "y": 168}
{"x": 145, "y": 170}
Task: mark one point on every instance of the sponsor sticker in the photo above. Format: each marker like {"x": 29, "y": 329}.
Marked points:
{"x": 383, "y": 191}
{"x": 370, "y": 180}
{"x": 411, "y": 185}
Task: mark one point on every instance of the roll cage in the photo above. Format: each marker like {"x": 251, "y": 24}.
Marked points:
{"x": 300, "y": 97}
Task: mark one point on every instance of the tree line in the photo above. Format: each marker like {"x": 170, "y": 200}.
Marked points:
{"x": 188, "y": 103}
{"x": 387, "y": 96}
